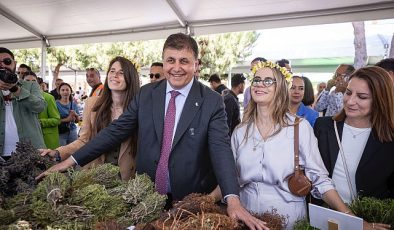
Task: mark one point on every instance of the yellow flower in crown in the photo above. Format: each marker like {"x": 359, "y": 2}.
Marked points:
{"x": 271, "y": 65}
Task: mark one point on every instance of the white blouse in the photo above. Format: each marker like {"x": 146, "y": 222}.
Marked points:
{"x": 272, "y": 161}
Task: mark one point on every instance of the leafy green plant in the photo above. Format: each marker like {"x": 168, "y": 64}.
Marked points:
{"x": 374, "y": 210}
{"x": 303, "y": 225}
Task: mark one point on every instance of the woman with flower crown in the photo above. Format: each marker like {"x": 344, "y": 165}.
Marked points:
{"x": 121, "y": 85}
{"x": 263, "y": 148}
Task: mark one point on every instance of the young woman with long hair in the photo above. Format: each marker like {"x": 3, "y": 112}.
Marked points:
{"x": 120, "y": 87}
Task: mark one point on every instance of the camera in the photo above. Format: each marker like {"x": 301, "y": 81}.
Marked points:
{"x": 8, "y": 77}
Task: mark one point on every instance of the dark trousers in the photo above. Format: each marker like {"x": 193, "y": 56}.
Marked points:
{"x": 169, "y": 202}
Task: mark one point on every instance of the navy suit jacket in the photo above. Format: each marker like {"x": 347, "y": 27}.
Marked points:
{"x": 201, "y": 155}
{"x": 375, "y": 171}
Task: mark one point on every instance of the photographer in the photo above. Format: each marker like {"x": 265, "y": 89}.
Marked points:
{"x": 21, "y": 102}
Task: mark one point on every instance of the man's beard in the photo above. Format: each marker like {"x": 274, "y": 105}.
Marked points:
{"x": 9, "y": 70}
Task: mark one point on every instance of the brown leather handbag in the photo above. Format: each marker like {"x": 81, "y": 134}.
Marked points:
{"x": 299, "y": 184}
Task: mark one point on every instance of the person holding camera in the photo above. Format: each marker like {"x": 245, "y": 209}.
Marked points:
{"x": 21, "y": 102}
{"x": 331, "y": 99}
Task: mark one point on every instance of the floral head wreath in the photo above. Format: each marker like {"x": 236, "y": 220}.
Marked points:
{"x": 272, "y": 65}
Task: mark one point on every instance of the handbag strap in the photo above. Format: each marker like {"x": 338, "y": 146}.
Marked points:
{"x": 296, "y": 147}
{"x": 344, "y": 162}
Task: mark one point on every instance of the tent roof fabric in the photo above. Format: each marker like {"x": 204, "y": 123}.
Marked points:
{"x": 26, "y": 23}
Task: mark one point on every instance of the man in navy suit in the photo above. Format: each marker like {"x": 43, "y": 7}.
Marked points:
{"x": 200, "y": 156}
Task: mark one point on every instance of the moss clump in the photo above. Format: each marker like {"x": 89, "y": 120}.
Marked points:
{"x": 42, "y": 212}
{"x": 137, "y": 189}
{"x": 106, "y": 174}
{"x": 96, "y": 198}
{"x": 52, "y": 189}
{"x": 20, "y": 204}
{"x": 146, "y": 211}
{"x": 374, "y": 210}
{"x": 7, "y": 217}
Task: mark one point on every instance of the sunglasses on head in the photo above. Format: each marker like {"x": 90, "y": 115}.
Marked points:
{"x": 267, "y": 82}
{"x": 156, "y": 75}
{"x": 7, "y": 61}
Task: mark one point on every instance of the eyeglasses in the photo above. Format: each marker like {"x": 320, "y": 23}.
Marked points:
{"x": 156, "y": 75}
{"x": 7, "y": 61}
{"x": 267, "y": 82}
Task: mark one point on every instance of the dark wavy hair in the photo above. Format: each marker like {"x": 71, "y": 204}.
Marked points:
{"x": 309, "y": 96}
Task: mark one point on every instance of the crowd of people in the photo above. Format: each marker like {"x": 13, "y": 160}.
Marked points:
{"x": 190, "y": 138}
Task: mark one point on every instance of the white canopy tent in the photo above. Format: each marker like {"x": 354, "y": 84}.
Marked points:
{"x": 44, "y": 23}
{"x": 28, "y": 23}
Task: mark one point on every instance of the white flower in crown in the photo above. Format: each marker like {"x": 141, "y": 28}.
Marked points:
{"x": 271, "y": 65}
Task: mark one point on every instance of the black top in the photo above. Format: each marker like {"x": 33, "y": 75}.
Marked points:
{"x": 375, "y": 171}
{"x": 55, "y": 94}
{"x": 220, "y": 88}
{"x": 232, "y": 109}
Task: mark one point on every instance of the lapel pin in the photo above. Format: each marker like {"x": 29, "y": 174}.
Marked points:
{"x": 196, "y": 103}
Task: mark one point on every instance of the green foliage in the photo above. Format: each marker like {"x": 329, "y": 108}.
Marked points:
{"x": 106, "y": 174}
{"x": 145, "y": 211}
{"x": 217, "y": 52}
{"x": 58, "y": 55}
{"x": 303, "y": 225}
{"x": 96, "y": 198}
{"x": 30, "y": 57}
{"x": 52, "y": 189}
{"x": 42, "y": 212}
{"x": 20, "y": 204}
{"x": 374, "y": 210}
{"x": 7, "y": 217}
{"x": 56, "y": 204}
{"x": 220, "y": 52}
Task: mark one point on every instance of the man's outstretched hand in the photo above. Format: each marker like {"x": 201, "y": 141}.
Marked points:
{"x": 236, "y": 211}
{"x": 61, "y": 167}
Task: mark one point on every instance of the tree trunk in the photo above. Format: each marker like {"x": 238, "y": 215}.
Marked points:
{"x": 56, "y": 74}
{"x": 391, "y": 54}
{"x": 360, "y": 46}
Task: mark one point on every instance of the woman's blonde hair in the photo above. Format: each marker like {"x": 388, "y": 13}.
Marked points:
{"x": 279, "y": 105}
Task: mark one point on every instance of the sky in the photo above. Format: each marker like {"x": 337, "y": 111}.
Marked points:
{"x": 327, "y": 40}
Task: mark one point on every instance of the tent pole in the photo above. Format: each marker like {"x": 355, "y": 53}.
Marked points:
{"x": 43, "y": 59}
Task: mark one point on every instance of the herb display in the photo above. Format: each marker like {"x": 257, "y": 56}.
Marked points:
{"x": 89, "y": 199}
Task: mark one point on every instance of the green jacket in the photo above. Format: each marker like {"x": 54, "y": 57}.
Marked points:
{"x": 50, "y": 119}
{"x": 26, "y": 108}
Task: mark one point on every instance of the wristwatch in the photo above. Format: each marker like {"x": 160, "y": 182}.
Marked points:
{"x": 57, "y": 156}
